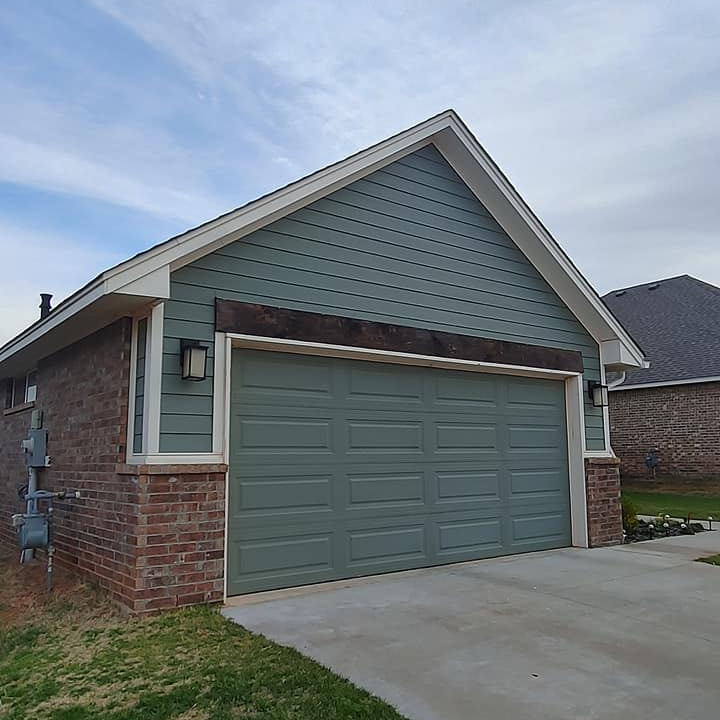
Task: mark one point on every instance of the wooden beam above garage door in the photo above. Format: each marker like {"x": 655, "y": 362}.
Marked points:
{"x": 244, "y": 318}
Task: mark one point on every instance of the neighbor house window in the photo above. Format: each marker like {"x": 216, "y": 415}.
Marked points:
{"x": 21, "y": 390}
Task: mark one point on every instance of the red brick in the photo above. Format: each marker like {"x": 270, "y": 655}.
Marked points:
{"x": 151, "y": 536}
{"x": 681, "y": 421}
{"x": 602, "y": 485}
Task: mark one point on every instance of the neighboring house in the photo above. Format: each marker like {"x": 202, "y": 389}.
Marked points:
{"x": 673, "y": 406}
{"x": 399, "y": 359}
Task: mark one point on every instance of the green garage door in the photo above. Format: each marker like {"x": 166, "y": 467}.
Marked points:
{"x": 341, "y": 468}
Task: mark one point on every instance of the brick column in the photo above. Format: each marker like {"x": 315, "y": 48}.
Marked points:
{"x": 179, "y": 536}
{"x": 602, "y": 485}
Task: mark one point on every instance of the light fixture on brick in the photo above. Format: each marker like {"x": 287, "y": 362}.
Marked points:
{"x": 193, "y": 359}
{"x": 598, "y": 394}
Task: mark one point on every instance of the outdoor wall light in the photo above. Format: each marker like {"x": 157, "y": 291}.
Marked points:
{"x": 598, "y": 394}
{"x": 193, "y": 359}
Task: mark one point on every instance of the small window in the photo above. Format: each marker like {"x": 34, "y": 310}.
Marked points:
{"x": 21, "y": 390}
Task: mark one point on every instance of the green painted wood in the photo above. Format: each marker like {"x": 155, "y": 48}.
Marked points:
{"x": 140, "y": 385}
{"x": 410, "y": 244}
{"x": 343, "y": 468}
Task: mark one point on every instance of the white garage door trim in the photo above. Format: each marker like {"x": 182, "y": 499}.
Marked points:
{"x": 573, "y": 404}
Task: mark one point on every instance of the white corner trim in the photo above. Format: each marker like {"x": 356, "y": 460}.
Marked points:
{"x": 575, "y": 413}
{"x": 153, "y": 379}
{"x": 220, "y": 395}
{"x": 226, "y": 349}
{"x": 669, "y": 383}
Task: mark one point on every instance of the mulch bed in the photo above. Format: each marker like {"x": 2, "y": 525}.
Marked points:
{"x": 645, "y": 530}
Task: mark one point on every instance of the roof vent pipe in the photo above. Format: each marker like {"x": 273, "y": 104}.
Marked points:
{"x": 45, "y": 305}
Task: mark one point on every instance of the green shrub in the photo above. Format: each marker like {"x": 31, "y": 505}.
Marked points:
{"x": 629, "y": 515}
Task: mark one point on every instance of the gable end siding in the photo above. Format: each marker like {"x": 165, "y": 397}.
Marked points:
{"x": 409, "y": 245}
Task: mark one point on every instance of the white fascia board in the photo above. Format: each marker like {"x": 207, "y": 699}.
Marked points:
{"x": 668, "y": 383}
{"x": 226, "y": 229}
{"x": 81, "y": 300}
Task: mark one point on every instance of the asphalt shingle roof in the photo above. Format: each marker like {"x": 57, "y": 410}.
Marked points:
{"x": 676, "y": 322}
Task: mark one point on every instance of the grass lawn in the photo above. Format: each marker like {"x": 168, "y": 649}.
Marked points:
{"x": 710, "y": 559}
{"x": 651, "y": 502}
{"x": 72, "y": 656}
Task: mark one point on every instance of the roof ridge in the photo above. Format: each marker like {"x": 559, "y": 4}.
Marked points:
{"x": 650, "y": 282}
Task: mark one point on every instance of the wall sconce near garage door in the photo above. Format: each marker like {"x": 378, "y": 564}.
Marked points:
{"x": 598, "y": 394}
{"x": 193, "y": 359}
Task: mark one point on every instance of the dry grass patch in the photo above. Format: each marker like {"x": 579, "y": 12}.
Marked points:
{"x": 73, "y": 656}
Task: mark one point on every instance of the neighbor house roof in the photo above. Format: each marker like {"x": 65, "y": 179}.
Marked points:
{"x": 146, "y": 277}
{"x": 677, "y": 323}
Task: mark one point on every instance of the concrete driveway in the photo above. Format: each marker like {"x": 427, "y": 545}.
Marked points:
{"x": 608, "y": 633}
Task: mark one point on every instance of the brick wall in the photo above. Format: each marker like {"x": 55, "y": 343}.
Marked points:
{"x": 153, "y": 536}
{"x": 83, "y": 393}
{"x": 602, "y": 487}
{"x": 180, "y": 535}
{"x": 681, "y": 421}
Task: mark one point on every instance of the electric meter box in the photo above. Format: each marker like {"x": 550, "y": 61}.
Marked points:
{"x": 33, "y": 531}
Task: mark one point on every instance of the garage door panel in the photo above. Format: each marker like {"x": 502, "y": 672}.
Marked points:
{"x": 471, "y": 537}
{"x": 386, "y": 436}
{"x": 466, "y": 484}
{"x": 387, "y": 467}
{"x": 276, "y": 492}
{"x": 531, "y": 395}
{"x": 285, "y": 435}
{"x": 269, "y": 376}
{"x": 538, "y": 527}
{"x": 263, "y": 564}
{"x": 387, "y": 544}
{"x": 382, "y": 489}
{"x": 378, "y": 383}
{"x": 463, "y": 392}
{"x": 526, "y": 482}
{"x": 278, "y": 555}
{"x": 536, "y": 439}
{"x": 467, "y": 437}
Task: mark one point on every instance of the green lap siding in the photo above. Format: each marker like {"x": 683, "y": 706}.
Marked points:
{"x": 139, "y": 417}
{"x": 343, "y": 468}
{"x": 410, "y": 244}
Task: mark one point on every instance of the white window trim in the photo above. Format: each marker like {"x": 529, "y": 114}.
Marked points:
{"x": 151, "y": 395}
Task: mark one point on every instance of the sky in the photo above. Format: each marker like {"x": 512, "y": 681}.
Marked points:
{"x": 125, "y": 122}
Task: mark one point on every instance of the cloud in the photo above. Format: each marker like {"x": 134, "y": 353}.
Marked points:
{"x": 49, "y": 167}
{"x": 604, "y": 114}
{"x": 37, "y": 261}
